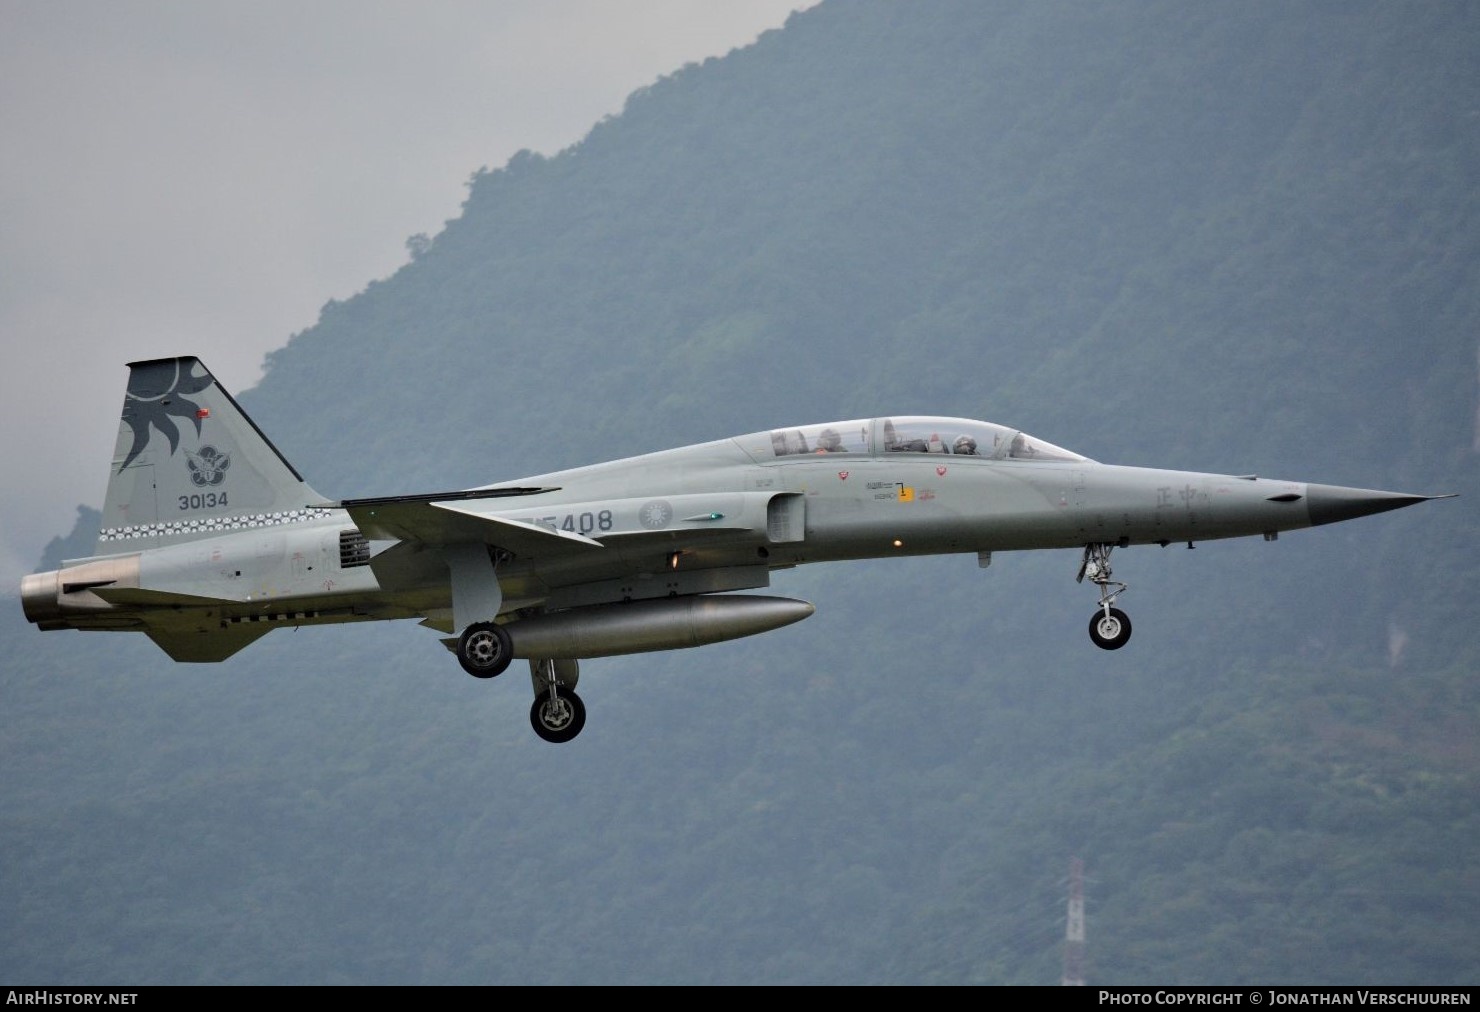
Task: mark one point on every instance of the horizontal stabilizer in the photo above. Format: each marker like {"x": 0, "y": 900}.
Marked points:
{"x": 206, "y": 647}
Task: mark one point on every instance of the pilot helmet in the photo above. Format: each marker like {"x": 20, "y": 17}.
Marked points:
{"x": 964, "y": 444}
{"x": 828, "y": 439}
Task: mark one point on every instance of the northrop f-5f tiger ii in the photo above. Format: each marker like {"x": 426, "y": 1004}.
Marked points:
{"x": 211, "y": 539}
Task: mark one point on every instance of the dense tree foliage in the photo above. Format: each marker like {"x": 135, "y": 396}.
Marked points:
{"x": 1224, "y": 237}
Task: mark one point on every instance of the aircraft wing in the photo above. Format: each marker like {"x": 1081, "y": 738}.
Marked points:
{"x": 421, "y": 519}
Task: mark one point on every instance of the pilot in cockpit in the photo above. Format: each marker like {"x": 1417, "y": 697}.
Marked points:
{"x": 964, "y": 444}
{"x": 828, "y": 441}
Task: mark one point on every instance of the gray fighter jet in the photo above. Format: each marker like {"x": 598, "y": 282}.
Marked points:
{"x": 211, "y": 539}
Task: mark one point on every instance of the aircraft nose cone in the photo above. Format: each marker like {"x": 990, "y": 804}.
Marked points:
{"x": 1331, "y": 503}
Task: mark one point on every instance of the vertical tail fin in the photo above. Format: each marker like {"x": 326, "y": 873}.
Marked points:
{"x": 189, "y": 463}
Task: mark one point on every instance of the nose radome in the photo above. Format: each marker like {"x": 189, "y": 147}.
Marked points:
{"x": 1331, "y": 503}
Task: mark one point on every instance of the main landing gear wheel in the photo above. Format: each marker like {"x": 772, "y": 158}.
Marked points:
{"x": 484, "y": 649}
{"x": 1110, "y": 629}
{"x": 557, "y": 717}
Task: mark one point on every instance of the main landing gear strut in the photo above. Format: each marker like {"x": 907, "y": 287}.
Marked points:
{"x": 557, "y": 714}
{"x": 1109, "y": 627}
{"x": 483, "y": 648}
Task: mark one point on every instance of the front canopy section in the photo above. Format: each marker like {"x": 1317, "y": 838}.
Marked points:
{"x": 830, "y": 437}
{"x": 965, "y": 437}
{"x": 907, "y": 434}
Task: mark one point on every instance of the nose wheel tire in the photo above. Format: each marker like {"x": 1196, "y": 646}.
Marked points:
{"x": 557, "y": 718}
{"x": 1110, "y": 628}
{"x": 484, "y": 649}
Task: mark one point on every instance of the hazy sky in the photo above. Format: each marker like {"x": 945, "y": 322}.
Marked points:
{"x": 200, "y": 178}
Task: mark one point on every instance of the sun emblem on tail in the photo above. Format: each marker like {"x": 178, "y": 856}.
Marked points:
{"x": 208, "y": 467}
{"x": 158, "y": 394}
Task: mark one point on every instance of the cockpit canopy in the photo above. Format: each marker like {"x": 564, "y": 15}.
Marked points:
{"x": 911, "y": 434}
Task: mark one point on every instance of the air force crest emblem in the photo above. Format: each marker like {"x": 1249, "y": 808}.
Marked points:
{"x": 208, "y": 467}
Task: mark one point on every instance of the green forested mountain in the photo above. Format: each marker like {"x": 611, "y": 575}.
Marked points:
{"x": 1237, "y": 237}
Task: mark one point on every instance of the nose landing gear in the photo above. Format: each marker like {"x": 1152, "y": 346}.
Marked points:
{"x": 1109, "y": 627}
